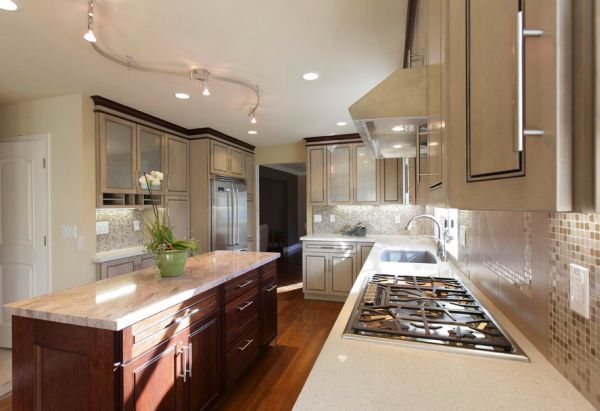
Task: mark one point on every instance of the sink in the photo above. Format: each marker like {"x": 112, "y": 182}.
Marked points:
{"x": 408, "y": 256}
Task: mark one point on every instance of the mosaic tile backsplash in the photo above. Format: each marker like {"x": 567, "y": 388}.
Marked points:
{"x": 120, "y": 225}
{"x": 521, "y": 260}
{"x": 378, "y": 219}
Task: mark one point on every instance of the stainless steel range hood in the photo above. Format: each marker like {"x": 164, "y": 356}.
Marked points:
{"x": 388, "y": 117}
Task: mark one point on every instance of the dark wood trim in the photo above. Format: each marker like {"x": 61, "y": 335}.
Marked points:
{"x": 216, "y": 133}
{"x": 190, "y": 133}
{"x": 411, "y": 19}
{"x": 336, "y": 137}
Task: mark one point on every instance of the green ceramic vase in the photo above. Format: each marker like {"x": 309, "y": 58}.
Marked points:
{"x": 171, "y": 263}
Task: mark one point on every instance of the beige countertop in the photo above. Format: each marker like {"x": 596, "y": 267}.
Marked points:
{"x": 117, "y": 254}
{"x": 121, "y": 301}
{"x": 361, "y": 375}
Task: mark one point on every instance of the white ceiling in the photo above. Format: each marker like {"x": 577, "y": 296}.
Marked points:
{"x": 354, "y": 44}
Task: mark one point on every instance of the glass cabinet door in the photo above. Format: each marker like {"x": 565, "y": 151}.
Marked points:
{"x": 150, "y": 151}
{"x": 117, "y": 154}
{"x": 367, "y": 177}
{"x": 339, "y": 163}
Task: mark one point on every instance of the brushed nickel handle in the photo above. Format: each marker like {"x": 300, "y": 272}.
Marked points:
{"x": 248, "y": 342}
{"x": 245, "y": 305}
{"x": 520, "y": 34}
{"x": 245, "y": 283}
{"x": 189, "y": 349}
{"x": 271, "y": 288}
{"x": 180, "y": 319}
{"x": 184, "y": 373}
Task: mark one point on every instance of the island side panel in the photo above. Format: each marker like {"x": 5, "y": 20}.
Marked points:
{"x": 61, "y": 366}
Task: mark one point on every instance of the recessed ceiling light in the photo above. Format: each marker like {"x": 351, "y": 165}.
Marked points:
{"x": 341, "y": 123}
{"x": 311, "y": 75}
{"x": 182, "y": 96}
{"x": 252, "y": 132}
{"x": 398, "y": 128}
{"x": 397, "y": 146}
{"x": 8, "y": 5}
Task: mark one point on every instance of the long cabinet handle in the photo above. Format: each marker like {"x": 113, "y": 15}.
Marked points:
{"x": 520, "y": 36}
{"x": 245, "y": 283}
{"x": 184, "y": 373}
{"x": 191, "y": 355}
{"x": 271, "y": 288}
{"x": 248, "y": 342}
{"x": 245, "y": 305}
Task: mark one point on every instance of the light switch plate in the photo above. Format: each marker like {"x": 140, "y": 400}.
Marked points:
{"x": 69, "y": 231}
{"x": 332, "y": 218}
{"x": 101, "y": 227}
{"x": 397, "y": 219}
{"x": 136, "y": 225}
{"x": 317, "y": 218}
{"x": 579, "y": 290}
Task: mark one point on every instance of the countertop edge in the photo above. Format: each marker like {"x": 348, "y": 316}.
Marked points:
{"x": 112, "y": 255}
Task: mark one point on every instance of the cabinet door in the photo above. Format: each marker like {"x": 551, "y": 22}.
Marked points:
{"x": 343, "y": 272}
{"x": 488, "y": 169}
{"x": 391, "y": 177}
{"x": 176, "y": 174}
{"x": 366, "y": 176}
{"x": 219, "y": 158}
{"x": 119, "y": 267}
{"x": 147, "y": 262}
{"x": 363, "y": 254}
{"x": 150, "y": 158}
{"x": 268, "y": 319}
{"x": 236, "y": 162}
{"x": 116, "y": 154}
{"x": 317, "y": 175}
{"x": 315, "y": 268}
{"x": 339, "y": 172}
{"x": 249, "y": 174}
{"x": 153, "y": 381}
{"x": 179, "y": 216}
{"x": 205, "y": 362}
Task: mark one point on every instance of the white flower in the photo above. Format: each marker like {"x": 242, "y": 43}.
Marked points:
{"x": 158, "y": 176}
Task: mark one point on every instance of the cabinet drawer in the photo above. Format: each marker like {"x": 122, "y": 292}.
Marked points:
{"x": 240, "y": 285}
{"x": 268, "y": 272}
{"x": 330, "y": 247}
{"x": 239, "y": 313}
{"x": 241, "y": 354}
{"x": 151, "y": 331}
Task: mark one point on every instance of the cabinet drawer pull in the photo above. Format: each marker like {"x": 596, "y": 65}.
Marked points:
{"x": 245, "y": 305}
{"x": 180, "y": 319}
{"x": 245, "y": 283}
{"x": 271, "y": 288}
{"x": 184, "y": 372}
{"x": 248, "y": 342}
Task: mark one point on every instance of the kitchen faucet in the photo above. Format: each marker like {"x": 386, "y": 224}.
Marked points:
{"x": 441, "y": 238}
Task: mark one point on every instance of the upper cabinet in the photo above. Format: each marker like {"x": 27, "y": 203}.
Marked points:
{"x": 365, "y": 175}
{"x": 117, "y": 147}
{"x": 510, "y": 104}
{"x": 226, "y": 160}
{"x": 339, "y": 167}
{"x": 317, "y": 175}
{"x": 150, "y": 152}
{"x": 176, "y": 165}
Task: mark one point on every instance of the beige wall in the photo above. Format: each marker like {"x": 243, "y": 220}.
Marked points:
{"x": 70, "y": 122}
{"x": 281, "y": 154}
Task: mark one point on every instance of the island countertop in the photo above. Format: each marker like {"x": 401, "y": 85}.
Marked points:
{"x": 121, "y": 301}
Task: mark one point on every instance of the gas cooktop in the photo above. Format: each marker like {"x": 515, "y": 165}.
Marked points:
{"x": 437, "y": 311}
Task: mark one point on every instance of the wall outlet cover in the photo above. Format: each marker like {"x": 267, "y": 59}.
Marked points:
{"x": 136, "y": 225}
{"x": 317, "y": 218}
{"x": 69, "y": 231}
{"x": 579, "y": 290}
{"x": 101, "y": 227}
{"x": 397, "y": 219}
{"x": 332, "y": 218}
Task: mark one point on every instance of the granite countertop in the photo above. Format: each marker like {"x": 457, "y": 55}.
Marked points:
{"x": 121, "y": 301}
{"x": 361, "y": 375}
{"x": 369, "y": 238}
{"x": 111, "y": 255}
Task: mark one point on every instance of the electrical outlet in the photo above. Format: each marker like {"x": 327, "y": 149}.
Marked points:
{"x": 332, "y": 218}
{"x": 69, "y": 231}
{"x": 317, "y": 218}
{"x": 579, "y": 290}
{"x": 136, "y": 225}
{"x": 397, "y": 219}
{"x": 462, "y": 235}
{"x": 101, "y": 227}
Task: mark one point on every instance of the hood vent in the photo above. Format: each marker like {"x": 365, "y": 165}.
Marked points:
{"x": 388, "y": 117}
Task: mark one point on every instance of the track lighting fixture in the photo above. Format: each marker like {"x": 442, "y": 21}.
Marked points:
{"x": 89, "y": 35}
{"x": 206, "y": 91}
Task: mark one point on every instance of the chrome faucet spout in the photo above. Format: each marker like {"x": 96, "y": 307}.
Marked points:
{"x": 441, "y": 237}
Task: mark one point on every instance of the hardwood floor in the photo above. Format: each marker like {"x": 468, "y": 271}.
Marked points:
{"x": 277, "y": 379}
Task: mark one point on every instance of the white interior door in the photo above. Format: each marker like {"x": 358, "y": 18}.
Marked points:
{"x": 24, "y": 257}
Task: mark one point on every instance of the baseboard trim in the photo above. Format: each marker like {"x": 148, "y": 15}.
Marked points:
{"x": 325, "y": 297}
{"x": 292, "y": 249}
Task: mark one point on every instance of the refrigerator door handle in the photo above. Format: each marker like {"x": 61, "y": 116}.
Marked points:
{"x": 237, "y": 217}
{"x": 229, "y": 219}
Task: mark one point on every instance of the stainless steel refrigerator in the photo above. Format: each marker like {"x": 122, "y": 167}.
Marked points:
{"x": 229, "y": 214}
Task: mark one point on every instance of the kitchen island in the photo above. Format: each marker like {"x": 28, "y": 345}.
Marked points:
{"x": 141, "y": 342}
{"x": 352, "y": 374}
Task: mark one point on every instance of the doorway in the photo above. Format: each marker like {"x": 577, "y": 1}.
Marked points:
{"x": 282, "y": 219}
{"x": 24, "y": 231}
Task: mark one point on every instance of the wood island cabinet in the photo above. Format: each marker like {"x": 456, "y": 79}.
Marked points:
{"x": 182, "y": 358}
